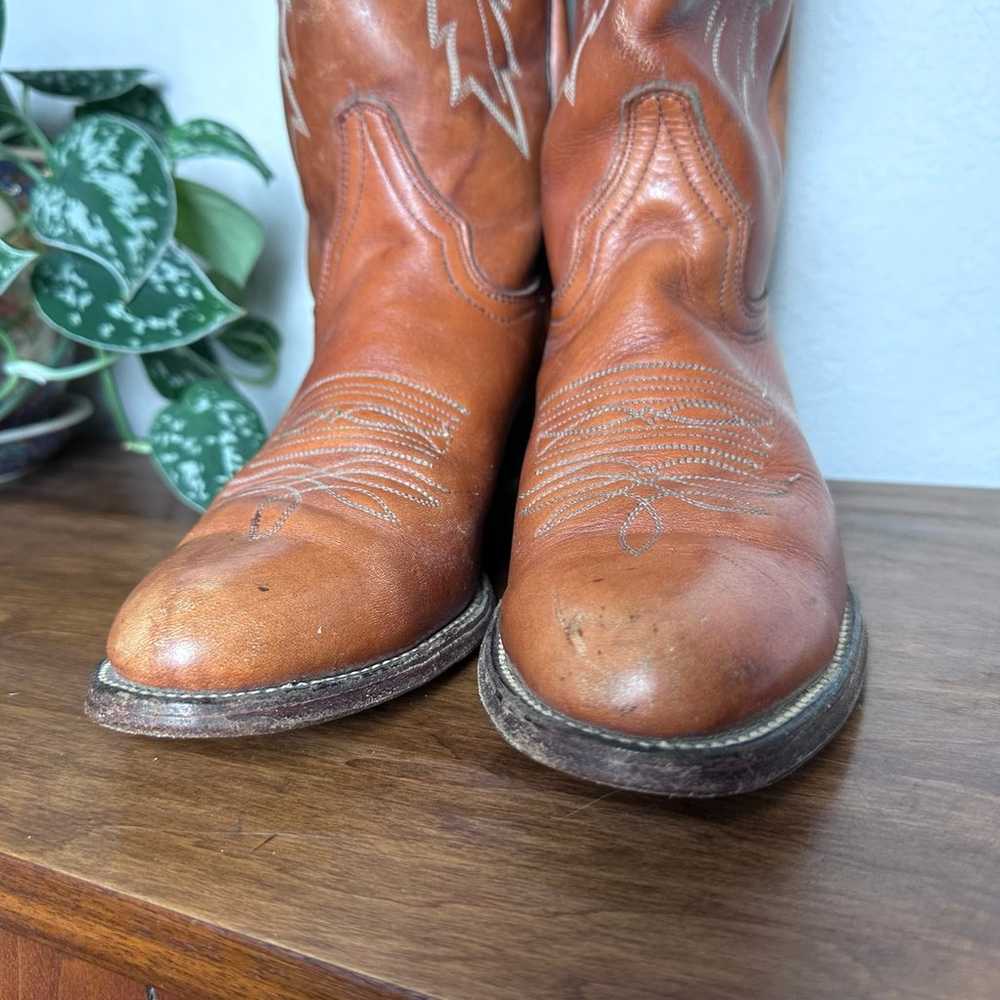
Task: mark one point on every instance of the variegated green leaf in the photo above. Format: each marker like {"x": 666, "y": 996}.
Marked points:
{"x": 141, "y": 104}
{"x": 82, "y": 84}
{"x": 204, "y": 137}
{"x": 13, "y": 260}
{"x": 230, "y": 289}
{"x": 203, "y": 439}
{"x": 3, "y": 22}
{"x": 223, "y": 234}
{"x": 110, "y": 198}
{"x": 254, "y": 340}
{"x": 171, "y": 372}
{"x": 176, "y": 306}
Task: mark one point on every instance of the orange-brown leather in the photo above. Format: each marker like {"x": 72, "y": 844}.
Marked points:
{"x": 676, "y": 564}
{"x": 355, "y": 532}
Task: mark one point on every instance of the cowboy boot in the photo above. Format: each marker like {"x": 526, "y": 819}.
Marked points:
{"x": 677, "y": 618}
{"x": 340, "y": 567}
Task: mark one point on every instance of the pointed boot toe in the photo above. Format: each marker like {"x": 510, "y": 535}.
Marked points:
{"x": 230, "y": 637}
{"x": 659, "y": 681}
{"x": 685, "y": 646}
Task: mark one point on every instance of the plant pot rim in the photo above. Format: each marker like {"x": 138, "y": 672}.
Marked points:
{"x": 75, "y": 410}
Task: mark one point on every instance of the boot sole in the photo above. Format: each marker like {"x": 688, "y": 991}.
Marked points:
{"x": 120, "y": 704}
{"x": 742, "y": 759}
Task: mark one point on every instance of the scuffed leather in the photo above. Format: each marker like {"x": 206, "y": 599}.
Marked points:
{"x": 355, "y": 532}
{"x": 676, "y": 565}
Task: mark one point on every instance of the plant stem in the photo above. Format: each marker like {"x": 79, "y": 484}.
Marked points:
{"x": 43, "y": 373}
{"x": 10, "y": 352}
{"x": 17, "y": 157}
{"x": 211, "y": 369}
{"x": 28, "y": 153}
{"x": 113, "y": 398}
{"x": 41, "y": 139}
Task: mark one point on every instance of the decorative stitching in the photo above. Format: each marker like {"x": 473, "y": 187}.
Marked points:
{"x": 458, "y": 224}
{"x": 388, "y": 130}
{"x": 462, "y": 86}
{"x": 636, "y": 187}
{"x": 749, "y": 74}
{"x": 748, "y": 34}
{"x": 287, "y": 68}
{"x": 409, "y": 657}
{"x": 710, "y": 20}
{"x": 830, "y": 677}
{"x": 717, "y": 45}
{"x": 631, "y": 145}
{"x": 712, "y": 161}
{"x": 611, "y": 180}
{"x": 379, "y": 436}
{"x": 442, "y": 247}
{"x": 739, "y": 211}
{"x": 648, "y": 432}
{"x": 685, "y": 103}
{"x": 334, "y": 251}
{"x": 569, "y": 84}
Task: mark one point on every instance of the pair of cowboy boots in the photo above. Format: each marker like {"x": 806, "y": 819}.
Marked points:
{"x": 677, "y": 618}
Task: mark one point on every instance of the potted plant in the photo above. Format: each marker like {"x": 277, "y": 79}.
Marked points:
{"x": 105, "y": 252}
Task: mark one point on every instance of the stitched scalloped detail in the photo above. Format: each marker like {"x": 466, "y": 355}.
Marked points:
{"x": 663, "y": 145}
{"x": 379, "y": 168}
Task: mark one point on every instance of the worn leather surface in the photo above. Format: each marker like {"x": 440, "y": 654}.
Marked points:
{"x": 355, "y": 532}
{"x": 676, "y": 564}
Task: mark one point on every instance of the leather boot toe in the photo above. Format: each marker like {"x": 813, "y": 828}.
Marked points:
{"x": 694, "y": 643}
{"x": 224, "y": 613}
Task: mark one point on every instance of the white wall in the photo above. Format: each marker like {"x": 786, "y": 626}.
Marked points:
{"x": 885, "y": 284}
{"x": 887, "y": 278}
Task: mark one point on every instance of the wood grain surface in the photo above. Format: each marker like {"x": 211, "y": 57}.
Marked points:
{"x": 409, "y": 852}
{"x": 31, "y": 970}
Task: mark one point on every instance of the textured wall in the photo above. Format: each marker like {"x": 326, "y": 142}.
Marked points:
{"x": 885, "y": 284}
{"x": 887, "y": 278}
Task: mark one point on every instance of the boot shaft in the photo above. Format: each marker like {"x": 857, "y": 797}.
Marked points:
{"x": 666, "y": 141}
{"x": 466, "y": 87}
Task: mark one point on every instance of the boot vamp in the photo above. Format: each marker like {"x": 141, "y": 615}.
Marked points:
{"x": 355, "y": 532}
{"x": 677, "y": 567}
{"x": 350, "y": 536}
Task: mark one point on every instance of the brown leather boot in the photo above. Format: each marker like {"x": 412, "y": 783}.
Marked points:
{"x": 677, "y": 618}
{"x": 341, "y": 567}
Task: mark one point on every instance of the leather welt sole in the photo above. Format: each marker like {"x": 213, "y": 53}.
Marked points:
{"x": 742, "y": 759}
{"x": 119, "y": 704}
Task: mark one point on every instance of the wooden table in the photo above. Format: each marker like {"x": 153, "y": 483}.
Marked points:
{"x": 409, "y": 852}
